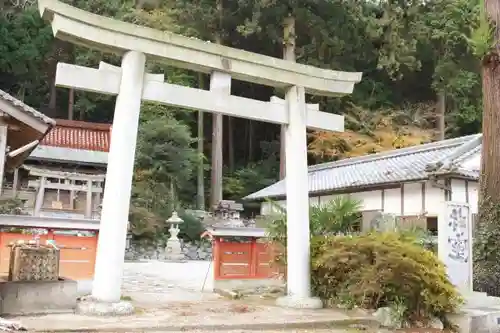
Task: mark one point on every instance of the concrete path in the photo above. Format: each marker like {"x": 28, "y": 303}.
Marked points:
{"x": 145, "y": 281}
{"x": 168, "y": 297}
{"x": 156, "y": 283}
{"x": 215, "y": 315}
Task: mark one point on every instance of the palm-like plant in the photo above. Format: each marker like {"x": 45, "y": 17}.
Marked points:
{"x": 339, "y": 216}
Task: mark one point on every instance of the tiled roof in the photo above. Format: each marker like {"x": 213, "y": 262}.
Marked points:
{"x": 69, "y": 155}
{"x": 26, "y": 108}
{"x": 408, "y": 164}
{"x": 79, "y": 135}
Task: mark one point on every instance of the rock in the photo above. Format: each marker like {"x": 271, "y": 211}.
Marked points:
{"x": 436, "y": 323}
{"x": 228, "y": 293}
{"x": 387, "y": 318}
{"x": 147, "y": 251}
{"x": 11, "y": 326}
{"x": 91, "y": 307}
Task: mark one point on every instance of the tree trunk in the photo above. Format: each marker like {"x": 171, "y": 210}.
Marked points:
{"x": 217, "y": 129}
{"x": 53, "y": 98}
{"x": 71, "y": 103}
{"x": 250, "y": 141}
{"x": 230, "y": 143}
{"x": 441, "y": 114}
{"x": 487, "y": 229}
{"x": 200, "y": 198}
{"x": 288, "y": 54}
{"x": 490, "y": 166}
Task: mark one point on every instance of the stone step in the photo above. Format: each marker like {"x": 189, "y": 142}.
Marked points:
{"x": 477, "y": 320}
{"x": 476, "y": 299}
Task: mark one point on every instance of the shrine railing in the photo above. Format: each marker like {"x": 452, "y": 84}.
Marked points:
{"x": 243, "y": 260}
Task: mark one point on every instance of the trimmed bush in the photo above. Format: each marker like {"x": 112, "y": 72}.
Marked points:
{"x": 379, "y": 270}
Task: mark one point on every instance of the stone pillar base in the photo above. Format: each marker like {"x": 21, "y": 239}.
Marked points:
{"x": 295, "y": 302}
{"x": 177, "y": 259}
{"x": 91, "y": 307}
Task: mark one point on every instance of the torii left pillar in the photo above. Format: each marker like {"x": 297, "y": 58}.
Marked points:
{"x": 116, "y": 201}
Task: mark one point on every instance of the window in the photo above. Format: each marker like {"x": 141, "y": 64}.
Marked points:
{"x": 432, "y": 225}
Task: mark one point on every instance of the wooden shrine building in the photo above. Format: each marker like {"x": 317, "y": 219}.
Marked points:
{"x": 57, "y": 168}
{"x": 64, "y": 175}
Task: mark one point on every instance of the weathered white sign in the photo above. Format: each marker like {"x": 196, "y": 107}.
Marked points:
{"x": 455, "y": 243}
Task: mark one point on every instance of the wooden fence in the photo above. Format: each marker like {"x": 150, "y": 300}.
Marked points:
{"x": 237, "y": 260}
{"x": 77, "y": 253}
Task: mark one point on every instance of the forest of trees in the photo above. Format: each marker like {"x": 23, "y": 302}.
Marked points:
{"x": 421, "y": 82}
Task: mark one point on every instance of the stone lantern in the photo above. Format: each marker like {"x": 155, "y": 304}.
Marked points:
{"x": 173, "y": 251}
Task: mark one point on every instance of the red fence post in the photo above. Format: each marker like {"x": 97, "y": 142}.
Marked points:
{"x": 216, "y": 257}
{"x": 254, "y": 258}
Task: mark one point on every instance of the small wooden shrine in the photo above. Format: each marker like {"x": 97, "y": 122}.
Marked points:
{"x": 240, "y": 250}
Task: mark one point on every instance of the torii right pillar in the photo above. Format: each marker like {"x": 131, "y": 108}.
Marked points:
{"x": 297, "y": 205}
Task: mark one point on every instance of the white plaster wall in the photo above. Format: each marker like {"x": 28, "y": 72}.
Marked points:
{"x": 412, "y": 199}
{"x": 465, "y": 193}
{"x": 392, "y": 201}
{"x": 324, "y": 199}
{"x": 314, "y": 201}
{"x": 434, "y": 199}
{"x": 371, "y": 200}
{"x": 473, "y": 196}
{"x": 458, "y": 190}
{"x": 266, "y": 207}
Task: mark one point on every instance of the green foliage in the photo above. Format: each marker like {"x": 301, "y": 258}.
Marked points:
{"x": 482, "y": 34}
{"x": 11, "y": 206}
{"x": 192, "y": 227}
{"x": 164, "y": 152}
{"x": 254, "y": 176}
{"x": 165, "y": 164}
{"x": 339, "y": 216}
{"x": 381, "y": 269}
{"x": 485, "y": 248}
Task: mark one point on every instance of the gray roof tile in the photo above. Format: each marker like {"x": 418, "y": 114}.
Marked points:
{"x": 395, "y": 166}
{"x": 25, "y": 108}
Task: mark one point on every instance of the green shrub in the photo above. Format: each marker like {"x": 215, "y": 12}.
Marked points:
{"x": 381, "y": 269}
{"x": 192, "y": 228}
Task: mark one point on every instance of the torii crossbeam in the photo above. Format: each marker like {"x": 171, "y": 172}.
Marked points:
{"x": 132, "y": 84}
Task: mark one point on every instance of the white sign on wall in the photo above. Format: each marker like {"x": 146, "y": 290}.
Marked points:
{"x": 455, "y": 243}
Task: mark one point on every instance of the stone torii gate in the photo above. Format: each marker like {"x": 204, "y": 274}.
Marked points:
{"x": 132, "y": 85}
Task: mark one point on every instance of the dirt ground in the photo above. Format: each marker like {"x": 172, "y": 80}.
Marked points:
{"x": 178, "y": 296}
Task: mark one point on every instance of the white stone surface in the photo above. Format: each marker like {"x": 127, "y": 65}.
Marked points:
{"x": 316, "y": 119}
{"x": 294, "y": 302}
{"x": 152, "y": 283}
{"x": 106, "y": 80}
{"x": 90, "y": 307}
{"x": 455, "y": 243}
{"x": 298, "y": 235}
{"x": 119, "y": 173}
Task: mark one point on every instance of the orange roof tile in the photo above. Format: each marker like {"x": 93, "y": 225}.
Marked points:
{"x": 79, "y": 135}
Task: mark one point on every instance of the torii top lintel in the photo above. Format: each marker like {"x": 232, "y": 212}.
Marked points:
{"x": 94, "y": 31}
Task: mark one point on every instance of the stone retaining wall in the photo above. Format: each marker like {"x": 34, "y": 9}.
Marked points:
{"x": 156, "y": 251}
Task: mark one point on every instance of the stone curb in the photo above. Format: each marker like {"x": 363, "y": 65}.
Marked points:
{"x": 319, "y": 324}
